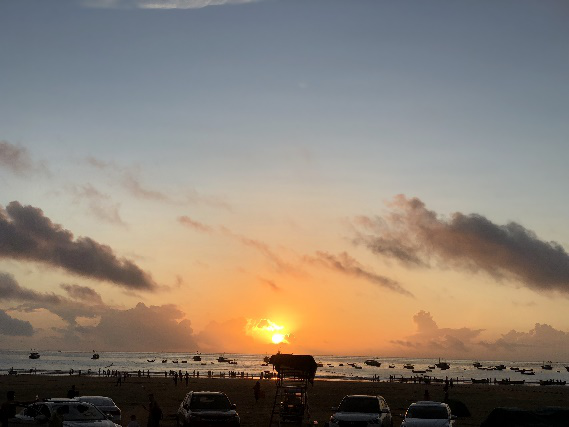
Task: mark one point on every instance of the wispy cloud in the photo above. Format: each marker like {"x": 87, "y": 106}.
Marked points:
{"x": 270, "y": 284}
{"x": 27, "y": 234}
{"x": 196, "y": 225}
{"x": 161, "y": 4}
{"x": 419, "y": 237}
{"x": 17, "y": 160}
{"x": 348, "y": 265}
{"x": 100, "y": 204}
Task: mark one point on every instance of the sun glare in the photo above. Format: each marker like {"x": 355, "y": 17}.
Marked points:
{"x": 267, "y": 331}
{"x": 278, "y": 338}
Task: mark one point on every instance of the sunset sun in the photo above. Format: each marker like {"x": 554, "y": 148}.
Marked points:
{"x": 277, "y": 338}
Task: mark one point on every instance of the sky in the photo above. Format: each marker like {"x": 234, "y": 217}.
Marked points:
{"x": 317, "y": 177}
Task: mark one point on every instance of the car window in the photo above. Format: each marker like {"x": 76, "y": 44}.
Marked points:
{"x": 427, "y": 412}
{"x": 80, "y": 412}
{"x": 210, "y": 402}
{"x": 359, "y": 404}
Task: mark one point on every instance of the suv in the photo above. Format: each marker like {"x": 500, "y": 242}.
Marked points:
{"x": 204, "y": 408}
{"x": 72, "y": 411}
{"x": 428, "y": 414}
{"x": 362, "y": 410}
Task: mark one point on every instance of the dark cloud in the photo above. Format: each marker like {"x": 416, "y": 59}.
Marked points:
{"x": 82, "y": 293}
{"x": 417, "y": 236}
{"x": 198, "y": 226}
{"x": 26, "y": 234}
{"x": 346, "y": 264}
{"x": 10, "y": 290}
{"x": 14, "y": 327}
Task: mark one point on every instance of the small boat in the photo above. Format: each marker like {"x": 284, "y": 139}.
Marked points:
{"x": 233, "y": 362}
{"x": 481, "y": 381}
{"x": 341, "y": 364}
{"x": 391, "y": 366}
{"x": 222, "y": 359}
{"x": 34, "y": 355}
{"x": 419, "y": 371}
{"x": 175, "y": 361}
{"x": 477, "y": 364}
{"x": 372, "y": 362}
{"x": 164, "y": 360}
{"x": 184, "y": 361}
{"x": 499, "y": 367}
{"x": 547, "y": 366}
{"x": 357, "y": 367}
{"x": 150, "y": 360}
{"x": 197, "y": 358}
{"x": 408, "y": 366}
{"x": 527, "y": 372}
{"x": 319, "y": 365}
{"x": 442, "y": 365}
{"x": 95, "y": 356}
{"x": 432, "y": 367}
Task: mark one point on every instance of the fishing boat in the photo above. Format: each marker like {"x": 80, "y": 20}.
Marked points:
{"x": 34, "y": 355}
{"x": 372, "y": 362}
{"x": 477, "y": 364}
{"x": 197, "y": 358}
{"x": 164, "y": 360}
{"x": 547, "y": 366}
{"x": 222, "y": 359}
{"x": 408, "y": 366}
{"x": 150, "y": 360}
{"x": 95, "y": 356}
{"x": 442, "y": 365}
{"x": 391, "y": 366}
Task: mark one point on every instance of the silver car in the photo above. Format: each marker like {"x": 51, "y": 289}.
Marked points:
{"x": 427, "y": 413}
{"x": 105, "y": 404}
{"x": 362, "y": 410}
{"x": 73, "y": 412}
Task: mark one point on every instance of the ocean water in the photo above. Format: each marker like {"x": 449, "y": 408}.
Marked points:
{"x": 61, "y": 362}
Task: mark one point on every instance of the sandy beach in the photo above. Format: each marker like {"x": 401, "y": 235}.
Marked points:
{"x": 131, "y": 394}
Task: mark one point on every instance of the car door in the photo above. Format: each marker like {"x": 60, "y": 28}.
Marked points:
{"x": 385, "y": 413}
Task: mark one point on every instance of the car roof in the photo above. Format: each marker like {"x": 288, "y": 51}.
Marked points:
{"x": 95, "y": 399}
{"x": 429, "y": 403}
{"x": 361, "y": 396}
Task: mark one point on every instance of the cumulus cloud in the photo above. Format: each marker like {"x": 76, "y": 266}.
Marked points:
{"x": 543, "y": 338}
{"x": 348, "y": 265}
{"x": 161, "y": 4}
{"x": 14, "y": 327}
{"x": 82, "y": 293}
{"x": 26, "y": 234}
{"x": 419, "y": 237}
{"x": 429, "y": 338}
{"x": 143, "y": 328}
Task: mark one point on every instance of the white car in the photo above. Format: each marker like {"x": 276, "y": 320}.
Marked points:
{"x": 362, "y": 411}
{"x": 74, "y": 413}
{"x": 427, "y": 413}
{"x": 105, "y": 404}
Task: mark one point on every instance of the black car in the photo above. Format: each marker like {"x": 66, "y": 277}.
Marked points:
{"x": 207, "y": 408}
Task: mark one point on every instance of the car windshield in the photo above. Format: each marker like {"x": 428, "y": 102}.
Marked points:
{"x": 359, "y": 404}
{"x": 427, "y": 412}
{"x": 79, "y": 412}
{"x": 210, "y": 402}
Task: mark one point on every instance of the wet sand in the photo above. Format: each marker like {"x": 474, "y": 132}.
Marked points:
{"x": 480, "y": 399}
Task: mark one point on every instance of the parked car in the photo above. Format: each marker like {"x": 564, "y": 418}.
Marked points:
{"x": 73, "y": 412}
{"x": 204, "y": 408}
{"x": 428, "y": 414}
{"x": 362, "y": 410}
{"x": 105, "y": 404}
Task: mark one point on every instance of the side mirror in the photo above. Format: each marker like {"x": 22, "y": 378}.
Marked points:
{"x": 233, "y": 406}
